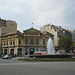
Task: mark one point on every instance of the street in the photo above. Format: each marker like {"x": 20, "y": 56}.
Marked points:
{"x": 14, "y": 67}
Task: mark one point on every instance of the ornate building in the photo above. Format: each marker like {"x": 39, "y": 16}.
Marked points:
{"x": 17, "y": 43}
{"x": 12, "y": 43}
{"x": 35, "y": 40}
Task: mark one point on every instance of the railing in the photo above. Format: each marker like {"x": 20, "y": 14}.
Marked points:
{"x": 31, "y": 44}
{"x": 24, "y": 45}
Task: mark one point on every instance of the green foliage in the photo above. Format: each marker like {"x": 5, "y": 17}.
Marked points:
{"x": 65, "y": 43}
{"x": 73, "y": 45}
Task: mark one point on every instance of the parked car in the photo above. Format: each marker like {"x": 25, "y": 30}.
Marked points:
{"x": 40, "y": 53}
{"x": 6, "y": 57}
{"x": 61, "y": 52}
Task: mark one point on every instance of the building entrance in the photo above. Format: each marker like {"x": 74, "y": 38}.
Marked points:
{"x": 19, "y": 51}
{"x": 31, "y": 51}
{"x": 5, "y": 51}
{"x": 12, "y": 52}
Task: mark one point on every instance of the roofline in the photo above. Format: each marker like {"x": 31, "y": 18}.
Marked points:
{"x": 10, "y": 33}
{"x": 31, "y": 28}
{"x": 48, "y": 33}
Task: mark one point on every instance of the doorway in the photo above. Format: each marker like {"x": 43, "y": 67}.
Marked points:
{"x": 12, "y": 52}
{"x": 19, "y": 51}
{"x": 31, "y": 51}
{"x": 5, "y": 51}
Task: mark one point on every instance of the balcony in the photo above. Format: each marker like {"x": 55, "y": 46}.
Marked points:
{"x": 32, "y": 45}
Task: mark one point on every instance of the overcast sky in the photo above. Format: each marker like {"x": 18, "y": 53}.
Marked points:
{"x": 39, "y": 12}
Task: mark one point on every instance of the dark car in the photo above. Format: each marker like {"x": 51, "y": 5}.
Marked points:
{"x": 6, "y": 57}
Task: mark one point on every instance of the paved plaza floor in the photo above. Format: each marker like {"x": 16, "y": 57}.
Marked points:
{"x": 14, "y": 67}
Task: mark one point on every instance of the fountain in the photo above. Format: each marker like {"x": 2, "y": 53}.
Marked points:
{"x": 50, "y": 52}
{"x": 50, "y": 47}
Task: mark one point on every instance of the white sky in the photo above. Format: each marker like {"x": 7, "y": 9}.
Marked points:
{"x": 40, "y": 12}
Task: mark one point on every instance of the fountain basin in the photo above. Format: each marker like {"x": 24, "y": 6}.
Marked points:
{"x": 50, "y": 56}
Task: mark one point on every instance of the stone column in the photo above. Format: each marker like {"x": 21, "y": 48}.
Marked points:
{"x": 8, "y": 50}
{"x": 16, "y": 51}
{"x": 3, "y": 51}
{"x": 23, "y": 51}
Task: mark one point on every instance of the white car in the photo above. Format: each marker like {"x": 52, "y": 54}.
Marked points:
{"x": 6, "y": 57}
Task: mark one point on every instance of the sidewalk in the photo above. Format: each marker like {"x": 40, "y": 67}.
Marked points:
{"x": 16, "y": 58}
{"x": 20, "y": 57}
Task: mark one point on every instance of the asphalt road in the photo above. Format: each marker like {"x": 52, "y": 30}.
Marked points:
{"x": 13, "y": 67}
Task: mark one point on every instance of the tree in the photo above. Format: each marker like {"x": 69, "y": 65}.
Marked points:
{"x": 73, "y": 45}
{"x": 65, "y": 43}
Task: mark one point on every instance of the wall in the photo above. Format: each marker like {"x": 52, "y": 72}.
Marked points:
{"x": 10, "y": 26}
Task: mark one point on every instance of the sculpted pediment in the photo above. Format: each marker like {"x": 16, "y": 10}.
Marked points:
{"x": 32, "y": 31}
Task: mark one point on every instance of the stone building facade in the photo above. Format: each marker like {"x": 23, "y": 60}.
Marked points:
{"x": 17, "y": 43}
{"x": 73, "y": 34}
{"x": 12, "y": 43}
{"x": 7, "y": 26}
{"x": 57, "y": 31}
{"x": 35, "y": 40}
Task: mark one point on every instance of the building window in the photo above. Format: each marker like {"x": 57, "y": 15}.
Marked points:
{"x": 37, "y": 42}
{"x": 7, "y": 43}
{"x": 31, "y": 41}
{"x": 4, "y": 43}
{"x": 1, "y": 44}
{"x": 10, "y": 43}
{"x": 19, "y": 42}
{"x": 13, "y": 42}
{"x": 1, "y": 22}
{"x": 43, "y": 42}
{"x": 26, "y": 41}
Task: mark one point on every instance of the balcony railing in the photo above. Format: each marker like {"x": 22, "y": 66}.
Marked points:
{"x": 32, "y": 44}
{"x": 24, "y": 45}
